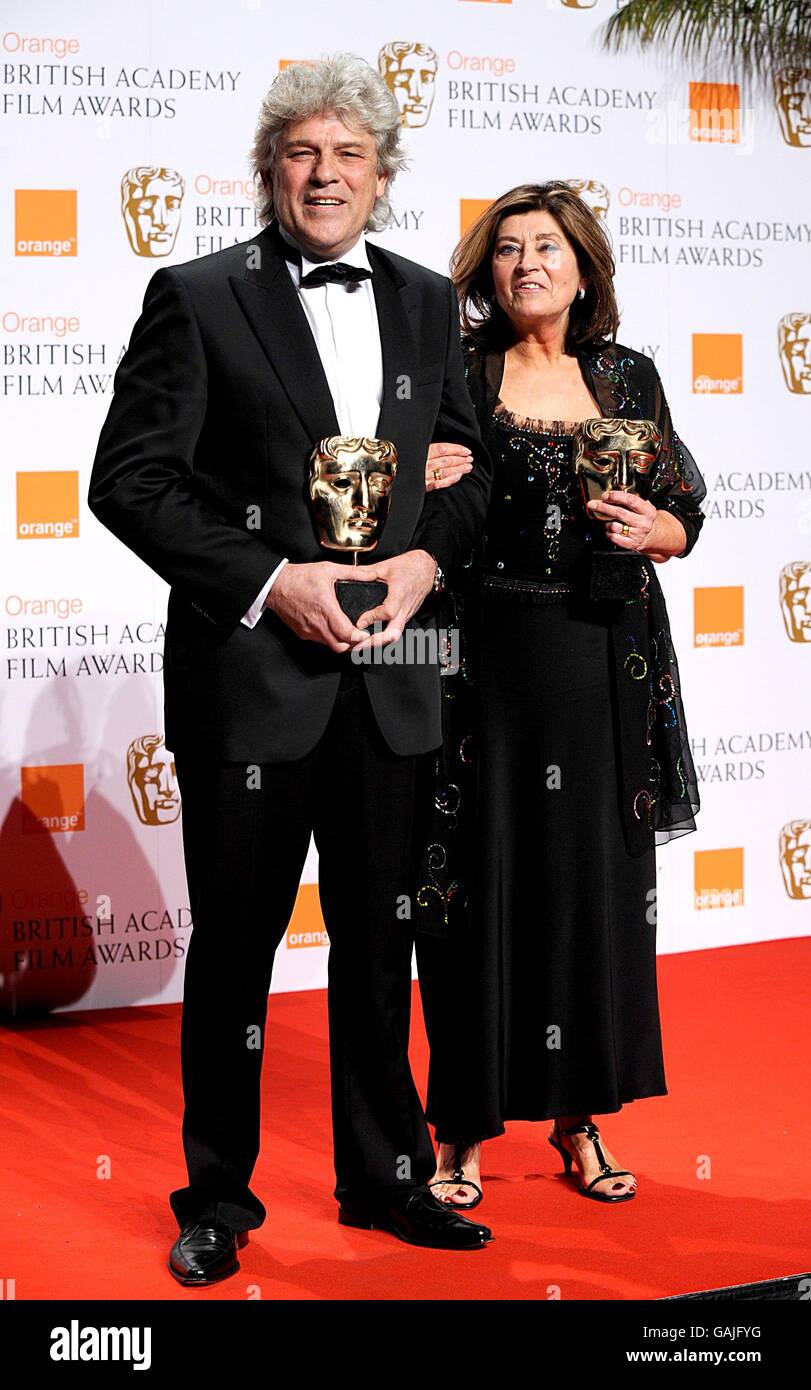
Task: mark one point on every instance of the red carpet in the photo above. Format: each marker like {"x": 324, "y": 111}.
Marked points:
{"x": 91, "y": 1107}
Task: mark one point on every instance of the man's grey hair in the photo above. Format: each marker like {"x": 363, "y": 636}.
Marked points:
{"x": 342, "y": 85}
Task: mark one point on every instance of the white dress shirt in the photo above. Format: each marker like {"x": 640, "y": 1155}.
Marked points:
{"x": 343, "y": 320}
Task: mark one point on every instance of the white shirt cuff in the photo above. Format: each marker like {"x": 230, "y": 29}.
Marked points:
{"x": 254, "y": 613}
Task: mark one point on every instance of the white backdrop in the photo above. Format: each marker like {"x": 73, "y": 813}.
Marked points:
{"x": 711, "y": 223}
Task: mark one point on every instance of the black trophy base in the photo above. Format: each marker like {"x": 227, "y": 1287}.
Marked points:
{"x": 616, "y": 576}
{"x": 356, "y": 596}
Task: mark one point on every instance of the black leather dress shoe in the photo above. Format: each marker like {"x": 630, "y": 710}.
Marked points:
{"x": 420, "y": 1220}
{"x": 205, "y": 1252}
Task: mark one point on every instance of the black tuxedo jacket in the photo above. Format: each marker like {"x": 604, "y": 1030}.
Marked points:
{"x": 202, "y": 470}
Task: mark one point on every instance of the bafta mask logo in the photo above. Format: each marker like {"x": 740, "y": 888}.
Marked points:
{"x": 409, "y": 71}
{"x": 578, "y": 4}
{"x": 794, "y": 346}
{"x": 795, "y": 599}
{"x": 792, "y": 95}
{"x": 152, "y": 780}
{"x": 594, "y": 195}
{"x": 615, "y": 454}
{"x": 151, "y": 200}
{"x": 795, "y": 858}
{"x": 350, "y": 490}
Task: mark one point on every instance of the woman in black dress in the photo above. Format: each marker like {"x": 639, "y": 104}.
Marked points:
{"x": 565, "y": 759}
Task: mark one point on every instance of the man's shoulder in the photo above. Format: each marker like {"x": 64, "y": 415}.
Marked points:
{"x": 218, "y": 265}
{"x": 412, "y": 271}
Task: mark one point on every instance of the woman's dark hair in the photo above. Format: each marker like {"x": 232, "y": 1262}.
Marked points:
{"x": 592, "y": 319}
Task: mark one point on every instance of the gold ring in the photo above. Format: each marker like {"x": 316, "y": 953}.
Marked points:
{"x": 626, "y": 530}
{"x": 437, "y": 474}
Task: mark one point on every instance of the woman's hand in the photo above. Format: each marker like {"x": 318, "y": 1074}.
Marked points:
{"x": 632, "y": 523}
{"x": 446, "y": 464}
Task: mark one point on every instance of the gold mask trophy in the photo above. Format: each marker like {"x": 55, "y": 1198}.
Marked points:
{"x": 351, "y": 478}
{"x": 615, "y": 455}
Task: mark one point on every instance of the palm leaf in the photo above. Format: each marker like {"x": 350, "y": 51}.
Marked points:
{"x": 754, "y": 38}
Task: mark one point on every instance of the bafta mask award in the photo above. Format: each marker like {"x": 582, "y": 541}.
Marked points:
{"x": 350, "y": 493}
{"x": 615, "y": 455}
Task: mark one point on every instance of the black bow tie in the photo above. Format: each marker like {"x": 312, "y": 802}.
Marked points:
{"x": 338, "y": 271}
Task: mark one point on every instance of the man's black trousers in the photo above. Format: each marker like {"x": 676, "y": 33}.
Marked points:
{"x": 245, "y": 847}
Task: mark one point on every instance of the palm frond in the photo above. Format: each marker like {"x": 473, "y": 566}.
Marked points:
{"x": 753, "y": 37}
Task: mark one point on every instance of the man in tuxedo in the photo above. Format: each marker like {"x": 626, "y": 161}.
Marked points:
{"x": 239, "y": 363}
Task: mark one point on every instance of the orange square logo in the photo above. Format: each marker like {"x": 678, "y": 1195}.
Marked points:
{"x": 292, "y": 62}
{"x": 715, "y": 112}
{"x": 52, "y": 798}
{"x": 718, "y": 364}
{"x": 45, "y": 222}
{"x": 470, "y": 209}
{"x": 718, "y": 617}
{"x": 306, "y": 926}
{"x": 718, "y": 878}
{"x": 48, "y": 506}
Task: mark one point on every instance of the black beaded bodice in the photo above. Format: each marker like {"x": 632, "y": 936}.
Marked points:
{"x": 537, "y": 525}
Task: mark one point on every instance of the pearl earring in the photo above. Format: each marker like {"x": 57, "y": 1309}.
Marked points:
{"x": 581, "y": 293}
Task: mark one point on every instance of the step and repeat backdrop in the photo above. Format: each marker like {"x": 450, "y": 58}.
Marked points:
{"x": 125, "y": 136}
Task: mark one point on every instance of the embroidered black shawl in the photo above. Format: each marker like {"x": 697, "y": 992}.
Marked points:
{"x": 659, "y": 792}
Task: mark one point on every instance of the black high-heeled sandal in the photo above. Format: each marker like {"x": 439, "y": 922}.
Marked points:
{"x": 459, "y": 1177}
{"x": 593, "y": 1133}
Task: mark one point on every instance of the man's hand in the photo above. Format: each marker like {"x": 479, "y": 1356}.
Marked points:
{"x": 409, "y": 578}
{"x": 303, "y": 596}
{"x": 446, "y": 464}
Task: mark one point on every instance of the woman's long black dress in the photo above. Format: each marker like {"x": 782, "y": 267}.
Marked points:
{"x": 538, "y": 972}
